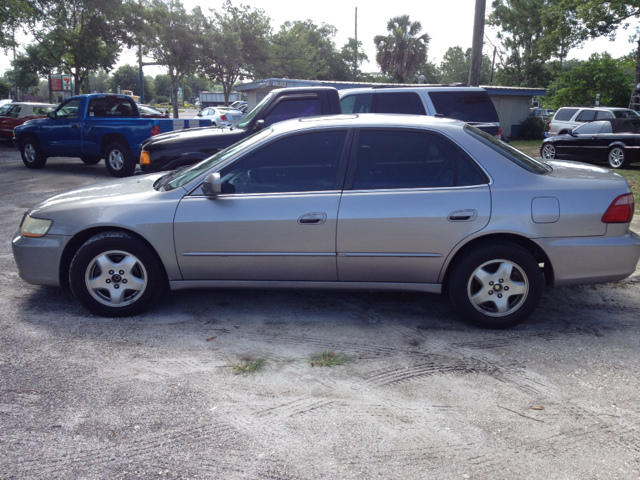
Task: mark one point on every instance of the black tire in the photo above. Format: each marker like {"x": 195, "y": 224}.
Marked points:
{"x": 548, "y": 151}
{"x": 32, "y": 154}
{"x": 617, "y": 157}
{"x": 90, "y": 159}
{"x": 477, "y": 272}
{"x": 133, "y": 264}
{"x": 119, "y": 161}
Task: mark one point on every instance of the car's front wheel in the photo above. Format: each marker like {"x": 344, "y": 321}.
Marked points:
{"x": 115, "y": 274}
{"x": 32, "y": 154}
{"x": 119, "y": 160}
{"x": 617, "y": 157}
{"x": 496, "y": 285}
{"x": 548, "y": 152}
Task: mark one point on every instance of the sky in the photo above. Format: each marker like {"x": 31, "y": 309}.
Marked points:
{"x": 449, "y": 23}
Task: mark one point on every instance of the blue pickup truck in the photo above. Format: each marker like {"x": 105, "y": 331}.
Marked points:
{"x": 93, "y": 127}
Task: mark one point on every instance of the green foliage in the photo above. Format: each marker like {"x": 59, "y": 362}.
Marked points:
{"x": 5, "y": 88}
{"x": 127, "y": 77}
{"x": 404, "y": 50}
{"x": 247, "y": 366}
{"x": 352, "y": 55}
{"x": 533, "y": 128}
{"x": 456, "y": 64}
{"x": 15, "y": 15}
{"x": 329, "y": 358}
{"x": 162, "y": 84}
{"x": 601, "y": 74}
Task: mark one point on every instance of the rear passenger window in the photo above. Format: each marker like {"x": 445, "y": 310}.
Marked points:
{"x": 586, "y": 116}
{"x": 402, "y": 159}
{"x": 565, "y": 114}
{"x": 468, "y": 106}
{"x": 288, "y": 109}
{"x": 361, "y": 103}
{"x": 602, "y": 115}
{"x": 400, "y": 102}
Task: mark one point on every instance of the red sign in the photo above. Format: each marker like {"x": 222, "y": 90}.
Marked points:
{"x": 56, "y": 83}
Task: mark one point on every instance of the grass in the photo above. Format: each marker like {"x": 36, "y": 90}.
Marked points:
{"x": 631, "y": 174}
{"x": 247, "y": 366}
{"x": 329, "y": 359}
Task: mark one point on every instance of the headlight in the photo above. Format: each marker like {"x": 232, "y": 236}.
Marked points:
{"x": 35, "y": 227}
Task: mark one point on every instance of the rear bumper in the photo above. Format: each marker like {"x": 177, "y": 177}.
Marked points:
{"x": 589, "y": 260}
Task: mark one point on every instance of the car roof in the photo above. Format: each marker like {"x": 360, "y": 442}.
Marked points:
{"x": 620, "y": 125}
{"x": 435, "y": 88}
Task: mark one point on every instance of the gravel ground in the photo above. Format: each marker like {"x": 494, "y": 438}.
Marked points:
{"x": 425, "y": 395}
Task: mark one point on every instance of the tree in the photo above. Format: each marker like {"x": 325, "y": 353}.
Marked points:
{"x": 162, "y": 85}
{"x": 174, "y": 39}
{"x": 99, "y": 82}
{"x": 14, "y": 14}
{"x": 5, "y": 88}
{"x": 349, "y": 57}
{"x": 302, "y": 49}
{"x": 234, "y": 45}
{"x": 401, "y": 52}
{"x": 126, "y": 77}
{"x": 456, "y": 63}
{"x": 601, "y": 74}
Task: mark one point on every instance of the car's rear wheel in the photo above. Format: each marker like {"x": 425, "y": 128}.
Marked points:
{"x": 119, "y": 160}
{"x": 548, "y": 151}
{"x": 90, "y": 159}
{"x": 115, "y": 274}
{"x": 496, "y": 285}
{"x": 32, "y": 154}
{"x": 617, "y": 157}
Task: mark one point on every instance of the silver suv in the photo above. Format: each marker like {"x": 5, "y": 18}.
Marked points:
{"x": 568, "y": 118}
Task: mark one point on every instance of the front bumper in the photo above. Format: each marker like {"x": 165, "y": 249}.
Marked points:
{"x": 38, "y": 259}
{"x": 589, "y": 260}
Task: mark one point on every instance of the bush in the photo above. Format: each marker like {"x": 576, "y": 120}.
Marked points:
{"x": 533, "y": 128}
{"x": 162, "y": 99}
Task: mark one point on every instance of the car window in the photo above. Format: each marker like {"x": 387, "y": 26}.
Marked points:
{"x": 112, "y": 106}
{"x": 390, "y": 159}
{"x": 359, "y": 103}
{"x": 565, "y": 114}
{"x": 606, "y": 128}
{"x": 14, "y": 111}
{"x": 591, "y": 128}
{"x": 293, "y": 108}
{"x": 466, "y": 106}
{"x": 4, "y": 109}
{"x": 42, "y": 110}
{"x": 625, "y": 114}
{"x": 586, "y": 116}
{"x": 400, "y": 102}
{"x": 603, "y": 114}
{"x": 257, "y": 109}
{"x": 299, "y": 163}
{"x": 68, "y": 109}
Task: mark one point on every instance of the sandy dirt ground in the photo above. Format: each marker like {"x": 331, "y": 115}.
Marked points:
{"x": 425, "y": 396}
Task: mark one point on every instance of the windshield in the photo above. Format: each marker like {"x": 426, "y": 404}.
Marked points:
{"x": 516, "y": 156}
{"x": 249, "y": 116}
{"x": 180, "y": 178}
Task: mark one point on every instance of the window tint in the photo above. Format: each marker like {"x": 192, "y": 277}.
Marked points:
{"x": 400, "y": 102}
{"x": 603, "y": 114}
{"x": 287, "y": 109}
{"x": 465, "y": 106}
{"x": 14, "y": 111}
{"x": 360, "y": 103}
{"x": 68, "y": 109}
{"x": 586, "y": 116}
{"x": 606, "y": 128}
{"x": 625, "y": 114}
{"x": 590, "y": 128}
{"x": 41, "y": 110}
{"x": 112, "y": 106}
{"x": 299, "y": 163}
{"x": 404, "y": 159}
{"x": 565, "y": 114}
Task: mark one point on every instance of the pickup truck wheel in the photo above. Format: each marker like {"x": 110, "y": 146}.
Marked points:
{"x": 115, "y": 274}
{"x": 90, "y": 159}
{"x": 119, "y": 160}
{"x": 32, "y": 154}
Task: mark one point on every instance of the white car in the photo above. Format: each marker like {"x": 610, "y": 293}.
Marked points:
{"x": 221, "y": 116}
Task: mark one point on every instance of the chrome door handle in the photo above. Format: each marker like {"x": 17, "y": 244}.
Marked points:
{"x": 312, "y": 219}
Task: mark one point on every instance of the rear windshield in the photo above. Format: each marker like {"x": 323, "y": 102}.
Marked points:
{"x": 516, "y": 156}
{"x": 565, "y": 114}
{"x": 112, "y": 106}
{"x": 465, "y": 106}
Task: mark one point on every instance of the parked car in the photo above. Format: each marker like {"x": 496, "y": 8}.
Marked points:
{"x": 543, "y": 113}
{"x": 616, "y": 141}
{"x": 568, "y": 118}
{"x": 220, "y": 116}
{"x": 147, "y": 111}
{"x": 5, "y": 101}
{"x": 19, "y": 112}
{"x": 469, "y": 104}
{"x": 364, "y": 202}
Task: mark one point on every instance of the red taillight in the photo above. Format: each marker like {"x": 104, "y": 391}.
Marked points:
{"x": 155, "y": 130}
{"x": 223, "y": 118}
{"x": 549, "y": 126}
{"x": 620, "y": 210}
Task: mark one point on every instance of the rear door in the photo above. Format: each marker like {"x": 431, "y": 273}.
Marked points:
{"x": 411, "y": 196}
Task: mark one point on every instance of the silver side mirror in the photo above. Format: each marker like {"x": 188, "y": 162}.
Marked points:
{"x": 212, "y": 185}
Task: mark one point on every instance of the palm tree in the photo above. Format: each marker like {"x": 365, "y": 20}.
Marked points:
{"x": 401, "y": 53}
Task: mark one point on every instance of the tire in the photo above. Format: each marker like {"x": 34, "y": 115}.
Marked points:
{"x": 481, "y": 277}
{"x": 32, "y": 154}
{"x": 617, "y": 158}
{"x": 548, "y": 151}
{"x": 90, "y": 159}
{"x": 119, "y": 161}
{"x": 105, "y": 268}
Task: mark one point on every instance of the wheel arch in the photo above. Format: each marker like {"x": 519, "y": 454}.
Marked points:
{"x": 110, "y": 138}
{"x": 73, "y": 245}
{"x": 617, "y": 143}
{"x": 522, "y": 241}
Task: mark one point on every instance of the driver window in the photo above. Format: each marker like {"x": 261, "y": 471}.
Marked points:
{"x": 288, "y": 109}
{"x": 589, "y": 128}
{"x": 298, "y": 163}
{"x": 69, "y": 109}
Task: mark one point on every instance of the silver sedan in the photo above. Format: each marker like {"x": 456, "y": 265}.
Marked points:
{"x": 221, "y": 116}
{"x": 373, "y": 202}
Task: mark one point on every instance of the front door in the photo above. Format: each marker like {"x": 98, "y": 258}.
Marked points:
{"x": 276, "y": 219}
{"x": 63, "y": 136}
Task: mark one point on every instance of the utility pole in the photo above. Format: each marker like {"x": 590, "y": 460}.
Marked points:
{"x": 476, "y": 47}
{"x": 141, "y": 75}
{"x": 355, "y": 63}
